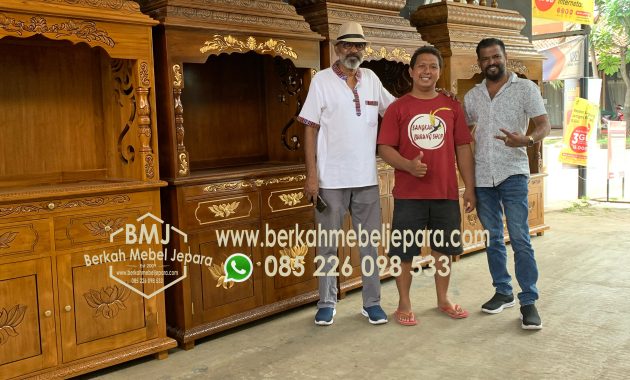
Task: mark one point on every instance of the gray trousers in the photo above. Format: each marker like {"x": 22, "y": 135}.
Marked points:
{"x": 365, "y": 209}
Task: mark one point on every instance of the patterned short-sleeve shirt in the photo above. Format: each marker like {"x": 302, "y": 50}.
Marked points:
{"x": 511, "y": 108}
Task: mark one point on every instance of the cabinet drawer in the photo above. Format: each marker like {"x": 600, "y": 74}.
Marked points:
{"x": 216, "y": 210}
{"x": 275, "y": 201}
{"x": 24, "y": 237}
{"x": 75, "y": 231}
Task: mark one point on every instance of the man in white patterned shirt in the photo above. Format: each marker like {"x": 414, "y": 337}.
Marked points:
{"x": 500, "y": 108}
{"x": 341, "y": 114}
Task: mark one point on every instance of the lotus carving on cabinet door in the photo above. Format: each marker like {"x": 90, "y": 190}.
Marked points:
{"x": 9, "y": 320}
{"x": 218, "y": 273}
{"x": 107, "y": 302}
{"x": 103, "y": 228}
{"x": 295, "y": 253}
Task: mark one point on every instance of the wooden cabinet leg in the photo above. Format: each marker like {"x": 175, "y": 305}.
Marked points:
{"x": 187, "y": 346}
{"x": 161, "y": 355}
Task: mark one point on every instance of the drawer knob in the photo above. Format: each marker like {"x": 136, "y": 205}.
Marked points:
{"x": 51, "y": 206}
{"x": 68, "y": 308}
{"x": 107, "y": 228}
{"x": 48, "y": 313}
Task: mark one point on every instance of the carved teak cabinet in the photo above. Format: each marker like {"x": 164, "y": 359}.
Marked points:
{"x": 77, "y": 162}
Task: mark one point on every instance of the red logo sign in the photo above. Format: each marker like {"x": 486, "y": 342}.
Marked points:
{"x": 544, "y": 5}
{"x": 578, "y": 139}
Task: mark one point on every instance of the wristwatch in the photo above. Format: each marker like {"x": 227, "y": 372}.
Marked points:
{"x": 530, "y": 142}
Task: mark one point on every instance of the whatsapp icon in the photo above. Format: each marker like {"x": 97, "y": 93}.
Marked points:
{"x": 238, "y": 267}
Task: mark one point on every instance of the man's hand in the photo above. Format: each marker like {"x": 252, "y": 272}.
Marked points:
{"x": 513, "y": 140}
{"x": 416, "y": 167}
{"x": 311, "y": 188}
{"x": 446, "y": 92}
{"x": 470, "y": 200}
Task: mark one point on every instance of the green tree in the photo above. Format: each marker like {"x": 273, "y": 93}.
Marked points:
{"x": 611, "y": 39}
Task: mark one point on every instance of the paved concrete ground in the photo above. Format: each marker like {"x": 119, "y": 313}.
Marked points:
{"x": 585, "y": 290}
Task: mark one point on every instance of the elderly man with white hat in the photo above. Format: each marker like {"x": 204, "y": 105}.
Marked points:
{"x": 341, "y": 117}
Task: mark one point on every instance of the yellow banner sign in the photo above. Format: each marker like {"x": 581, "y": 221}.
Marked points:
{"x": 576, "y": 11}
{"x": 576, "y": 134}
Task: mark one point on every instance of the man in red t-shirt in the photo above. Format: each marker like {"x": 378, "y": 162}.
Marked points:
{"x": 422, "y": 135}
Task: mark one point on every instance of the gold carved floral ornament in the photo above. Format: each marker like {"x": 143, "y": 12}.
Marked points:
{"x": 177, "y": 73}
{"x": 295, "y": 254}
{"x": 104, "y": 227}
{"x": 219, "y": 274}
{"x": 9, "y": 320}
{"x": 222, "y": 43}
{"x": 225, "y": 186}
{"x": 108, "y": 301}
{"x": 183, "y": 164}
{"x": 396, "y": 54}
{"x": 224, "y": 209}
{"x": 291, "y": 199}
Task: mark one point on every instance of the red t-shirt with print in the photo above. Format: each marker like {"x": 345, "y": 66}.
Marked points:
{"x": 432, "y": 126}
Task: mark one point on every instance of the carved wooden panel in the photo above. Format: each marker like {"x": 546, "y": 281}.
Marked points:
{"x": 27, "y": 321}
{"x": 75, "y": 231}
{"x": 229, "y": 208}
{"x": 280, "y": 287}
{"x": 103, "y": 307}
{"x": 27, "y": 237}
{"x": 213, "y": 297}
{"x": 291, "y": 199}
{"x": 99, "y": 314}
{"x": 19, "y": 330}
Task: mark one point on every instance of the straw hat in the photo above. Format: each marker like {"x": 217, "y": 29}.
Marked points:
{"x": 351, "y": 32}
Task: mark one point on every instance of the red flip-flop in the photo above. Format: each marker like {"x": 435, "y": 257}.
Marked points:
{"x": 405, "y": 318}
{"x": 455, "y": 312}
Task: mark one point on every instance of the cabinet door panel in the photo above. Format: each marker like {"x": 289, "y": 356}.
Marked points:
{"x": 279, "y": 287}
{"x": 213, "y": 298}
{"x": 99, "y": 314}
{"x": 27, "y": 323}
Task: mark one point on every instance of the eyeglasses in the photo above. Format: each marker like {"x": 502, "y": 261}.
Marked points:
{"x": 349, "y": 45}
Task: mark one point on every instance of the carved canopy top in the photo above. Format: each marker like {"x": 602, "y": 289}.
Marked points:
{"x": 458, "y": 27}
{"x": 465, "y": 14}
{"x": 390, "y": 5}
{"x": 124, "y": 5}
{"x": 270, "y": 18}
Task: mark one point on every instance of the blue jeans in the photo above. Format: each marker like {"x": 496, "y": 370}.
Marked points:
{"x": 509, "y": 196}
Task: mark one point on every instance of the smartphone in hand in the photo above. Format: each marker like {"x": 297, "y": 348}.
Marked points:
{"x": 320, "y": 205}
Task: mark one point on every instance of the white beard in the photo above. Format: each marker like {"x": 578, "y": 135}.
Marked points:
{"x": 352, "y": 63}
